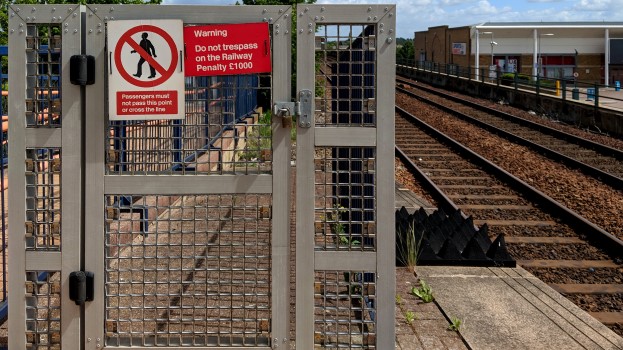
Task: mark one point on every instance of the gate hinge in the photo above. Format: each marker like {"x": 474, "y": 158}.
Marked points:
{"x": 82, "y": 69}
{"x": 81, "y": 286}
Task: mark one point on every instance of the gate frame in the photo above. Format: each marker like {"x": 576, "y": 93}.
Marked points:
{"x": 277, "y": 184}
{"x": 382, "y": 262}
{"x": 83, "y": 163}
{"x": 67, "y": 138}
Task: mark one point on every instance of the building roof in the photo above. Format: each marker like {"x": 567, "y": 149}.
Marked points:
{"x": 578, "y": 25}
{"x": 582, "y": 29}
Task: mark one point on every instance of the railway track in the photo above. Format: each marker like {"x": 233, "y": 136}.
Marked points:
{"x": 573, "y": 255}
{"x": 600, "y": 161}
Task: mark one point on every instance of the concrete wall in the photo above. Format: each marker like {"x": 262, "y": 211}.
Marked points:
{"x": 569, "y": 111}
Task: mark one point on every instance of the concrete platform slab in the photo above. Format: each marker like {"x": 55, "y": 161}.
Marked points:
{"x": 408, "y": 199}
{"x": 505, "y": 308}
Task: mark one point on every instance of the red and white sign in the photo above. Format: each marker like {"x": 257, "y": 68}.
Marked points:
{"x": 459, "y": 48}
{"x": 145, "y": 79}
{"x": 227, "y": 49}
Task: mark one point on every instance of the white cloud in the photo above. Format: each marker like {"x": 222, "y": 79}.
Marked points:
{"x": 597, "y": 5}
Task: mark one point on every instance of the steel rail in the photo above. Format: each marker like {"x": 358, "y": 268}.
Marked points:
{"x": 594, "y": 233}
{"x": 605, "y": 177}
{"x": 595, "y": 146}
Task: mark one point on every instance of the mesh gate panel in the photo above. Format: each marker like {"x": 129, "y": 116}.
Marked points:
{"x": 345, "y": 183}
{"x": 344, "y": 309}
{"x": 43, "y": 49}
{"x": 43, "y": 310}
{"x": 43, "y": 199}
{"x": 43, "y": 185}
{"x": 220, "y": 134}
{"x": 345, "y": 198}
{"x": 345, "y": 76}
{"x": 198, "y": 274}
{"x": 192, "y": 270}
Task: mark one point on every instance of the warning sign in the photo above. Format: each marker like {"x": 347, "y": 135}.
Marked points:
{"x": 158, "y": 102}
{"x": 145, "y": 79}
{"x": 227, "y": 49}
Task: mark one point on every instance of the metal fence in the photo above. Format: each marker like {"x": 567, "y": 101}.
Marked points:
{"x": 567, "y": 89}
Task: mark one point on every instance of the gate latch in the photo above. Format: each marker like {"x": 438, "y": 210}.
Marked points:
{"x": 81, "y": 286}
{"x": 285, "y": 110}
{"x": 302, "y": 109}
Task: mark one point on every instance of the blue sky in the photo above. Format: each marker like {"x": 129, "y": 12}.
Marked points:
{"x": 417, "y": 15}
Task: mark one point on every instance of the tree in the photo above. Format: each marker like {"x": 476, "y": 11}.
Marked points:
{"x": 406, "y": 52}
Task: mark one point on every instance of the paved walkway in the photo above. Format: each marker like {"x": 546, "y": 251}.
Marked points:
{"x": 609, "y": 98}
{"x": 505, "y": 308}
{"x": 419, "y": 325}
{"x": 500, "y": 308}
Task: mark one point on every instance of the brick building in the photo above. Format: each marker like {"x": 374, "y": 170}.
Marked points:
{"x": 546, "y": 49}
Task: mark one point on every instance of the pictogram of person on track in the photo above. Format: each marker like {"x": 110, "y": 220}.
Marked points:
{"x": 151, "y": 51}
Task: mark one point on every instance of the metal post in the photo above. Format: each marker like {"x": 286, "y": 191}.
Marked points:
{"x": 477, "y": 57}
{"x": 2, "y": 156}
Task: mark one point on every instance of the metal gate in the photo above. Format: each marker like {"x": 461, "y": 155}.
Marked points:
{"x": 345, "y": 277}
{"x": 182, "y": 223}
{"x": 176, "y": 233}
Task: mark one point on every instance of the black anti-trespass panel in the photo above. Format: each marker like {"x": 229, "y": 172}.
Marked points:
{"x": 449, "y": 239}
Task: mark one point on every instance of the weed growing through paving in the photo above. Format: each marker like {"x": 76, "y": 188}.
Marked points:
{"x": 424, "y": 292}
{"x": 410, "y": 317}
{"x": 408, "y": 247}
{"x": 455, "y": 324}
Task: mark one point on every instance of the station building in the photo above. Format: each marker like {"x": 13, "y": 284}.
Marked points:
{"x": 589, "y": 51}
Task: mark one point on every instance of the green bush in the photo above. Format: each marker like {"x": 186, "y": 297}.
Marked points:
{"x": 547, "y": 83}
{"x": 509, "y": 79}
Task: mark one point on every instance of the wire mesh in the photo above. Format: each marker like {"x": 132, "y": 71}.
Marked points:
{"x": 345, "y": 75}
{"x": 43, "y": 74}
{"x": 223, "y": 132}
{"x": 196, "y": 274}
{"x": 345, "y": 309}
{"x": 345, "y": 198}
{"x": 43, "y": 310}
{"x": 43, "y": 199}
